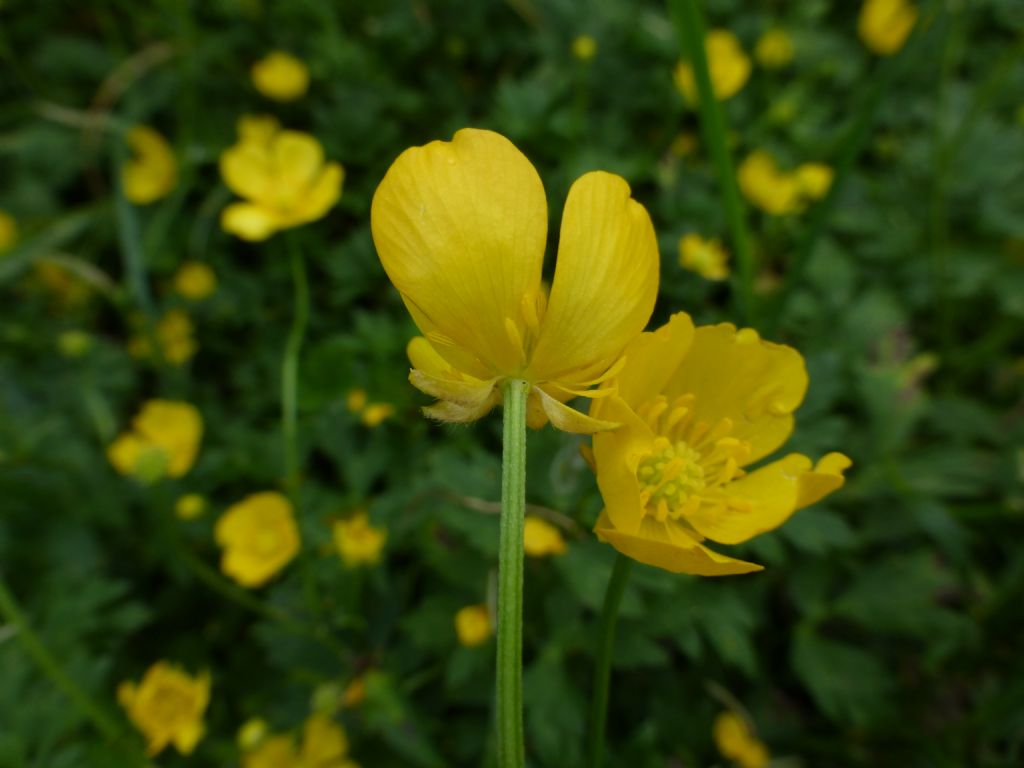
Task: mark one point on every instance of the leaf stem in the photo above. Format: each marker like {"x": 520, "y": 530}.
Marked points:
{"x": 690, "y": 30}
{"x": 511, "y": 748}
{"x": 603, "y": 663}
{"x": 290, "y": 366}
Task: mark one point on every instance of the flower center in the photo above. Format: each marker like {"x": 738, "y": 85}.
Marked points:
{"x": 689, "y": 461}
{"x": 669, "y": 476}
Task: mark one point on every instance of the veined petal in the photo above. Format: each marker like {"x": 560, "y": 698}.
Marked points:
{"x": 652, "y": 358}
{"x": 461, "y": 391}
{"x": 672, "y": 548}
{"x": 463, "y": 398}
{"x": 606, "y": 280}
{"x": 758, "y": 502}
{"x": 616, "y": 456}
{"x": 459, "y": 413}
{"x": 249, "y": 221}
{"x": 569, "y": 419}
{"x": 460, "y": 228}
{"x": 736, "y": 375}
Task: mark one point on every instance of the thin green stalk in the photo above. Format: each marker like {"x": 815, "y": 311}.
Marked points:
{"x": 290, "y": 366}
{"x": 93, "y": 712}
{"x": 511, "y": 748}
{"x": 690, "y": 31}
{"x": 603, "y": 665}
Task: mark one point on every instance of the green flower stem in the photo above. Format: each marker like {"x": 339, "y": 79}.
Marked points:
{"x": 511, "y": 749}
{"x": 290, "y": 367}
{"x": 690, "y": 31}
{"x": 93, "y": 712}
{"x": 603, "y": 665}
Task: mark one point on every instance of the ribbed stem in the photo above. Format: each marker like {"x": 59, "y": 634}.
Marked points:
{"x": 511, "y": 748}
{"x": 603, "y": 663}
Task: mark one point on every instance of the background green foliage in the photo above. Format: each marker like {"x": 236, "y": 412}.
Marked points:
{"x": 887, "y": 627}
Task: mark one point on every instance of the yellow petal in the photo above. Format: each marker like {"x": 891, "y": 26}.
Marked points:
{"x": 606, "y": 280}
{"x": 460, "y": 228}
{"x": 246, "y": 169}
{"x": 324, "y": 193}
{"x": 652, "y": 358}
{"x": 827, "y": 476}
{"x": 297, "y": 158}
{"x": 766, "y": 499}
{"x": 736, "y": 375}
{"x": 616, "y": 455}
{"x": 670, "y": 547}
{"x": 249, "y": 222}
{"x": 569, "y": 419}
{"x": 188, "y": 736}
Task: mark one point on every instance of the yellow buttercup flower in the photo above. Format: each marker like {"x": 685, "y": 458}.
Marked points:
{"x": 541, "y": 538}
{"x": 473, "y": 625}
{"x": 727, "y": 63}
{"x": 884, "y": 25}
{"x": 252, "y": 732}
{"x": 195, "y": 280}
{"x": 283, "y": 176}
{"x": 696, "y": 407}
{"x": 163, "y": 441}
{"x": 259, "y": 538}
{"x": 461, "y": 226}
{"x": 174, "y": 333}
{"x": 324, "y": 745}
{"x": 190, "y": 506}
{"x": 358, "y": 542}
{"x": 257, "y": 128}
{"x": 272, "y": 752}
{"x": 814, "y": 179}
{"x": 735, "y": 741}
{"x": 8, "y": 231}
{"x": 167, "y": 707}
{"x": 280, "y": 76}
{"x": 376, "y": 413}
{"x": 584, "y": 48}
{"x": 774, "y": 49}
{"x": 152, "y": 171}
{"x": 769, "y": 188}
{"x": 705, "y": 257}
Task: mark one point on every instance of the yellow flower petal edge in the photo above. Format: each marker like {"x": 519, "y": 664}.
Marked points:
{"x": 697, "y": 406}
{"x": 460, "y": 228}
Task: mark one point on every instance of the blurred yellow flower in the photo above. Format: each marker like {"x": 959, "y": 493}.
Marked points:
{"x": 190, "y": 506}
{"x": 884, "y": 25}
{"x": 280, "y": 76}
{"x": 814, "y": 179}
{"x": 195, "y": 280}
{"x": 259, "y": 538}
{"x": 358, "y": 542}
{"x": 163, "y": 441}
{"x": 376, "y": 413}
{"x": 252, "y": 732}
{"x": 174, "y": 333}
{"x": 727, "y": 63}
{"x": 774, "y": 49}
{"x": 461, "y": 227}
{"x": 257, "y": 128}
{"x": 705, "y": 257}
{"x": 473, "y": 625}
{"x": 355, "y": 401}
{"x": 735, "y": 741}
{"x": 324, "y": 745}
{"x": 283, "y": 177}
{"x": 8, "y": 231}
{"x": 152, "y": 171}
{"x": 698, "y": 405}
{"x": 74, "y": 344}
{"x": 167, "y": 707}
{"x": 541, "y": 538}
{"x": 769, "y": 188}
{"x": 584, "y": 48}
